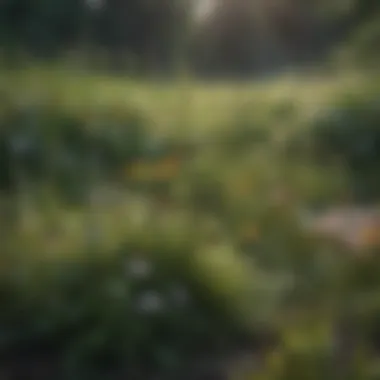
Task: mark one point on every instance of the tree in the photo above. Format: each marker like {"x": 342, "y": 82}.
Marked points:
{"x": 242, "y": 36}
{"x": 143, "y": 28}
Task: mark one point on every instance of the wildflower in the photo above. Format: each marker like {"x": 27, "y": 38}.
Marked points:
{"x": 95, "y": 4}
{"x": 370, "y": 236}
{"x": 250, "y": 232}
{"x": 180, "y": 295}
{"x": 139, "y": 268}
{"x": 21, "y": 144}
{"x": 167, "y": 168}
{"x": 150, "y": 302}
{"x": 241, "y": 188}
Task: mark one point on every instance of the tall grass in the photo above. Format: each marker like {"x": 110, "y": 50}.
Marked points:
{"x": 152, "y": 231}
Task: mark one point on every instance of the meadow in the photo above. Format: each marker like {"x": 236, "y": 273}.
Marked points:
{"x": 156, "y": 229}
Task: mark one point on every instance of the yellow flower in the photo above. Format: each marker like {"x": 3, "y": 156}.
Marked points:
{"x": 243, "y": 188}
{"x": 370, "y": 236}
{"x": 238, "y": 186}
{"x": 250, "y": 233}
{"x": 167, "y": 168}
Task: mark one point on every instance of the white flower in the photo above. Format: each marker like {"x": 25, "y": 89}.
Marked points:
{"x": 139, "y": 268}
{"x": 180, "y": 295}
{"x": 95, "y": 4}
{"x": 150, "y": 302}
{"x": 21, "y": 144}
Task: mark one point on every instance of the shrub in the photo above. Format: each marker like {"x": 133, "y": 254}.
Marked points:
{"x": 361, "y": 49}
{"x": 347, "y": 134}
{"x": 244, "y": 132}
{"x": 42, "y": 144}
{"x": 149, "y": 308}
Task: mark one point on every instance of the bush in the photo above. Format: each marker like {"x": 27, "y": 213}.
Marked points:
{"x": 43, "y": 144}
{"x": 138, "y": 287}
{"x": 245, "y": 131}
{"x": 149, "y": 308}
{"x": 364, "y": 46}
{"x": 347, "y": 134}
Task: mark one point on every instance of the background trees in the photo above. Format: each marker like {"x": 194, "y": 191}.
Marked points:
{"x": 240, "y": 37}
{"x": 144, "y": 30}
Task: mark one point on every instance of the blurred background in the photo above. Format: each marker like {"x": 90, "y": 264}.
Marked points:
{"x": 189, "y": 189}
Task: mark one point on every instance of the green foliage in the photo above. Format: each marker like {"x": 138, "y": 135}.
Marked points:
{"x": 42, "y": 143}
{"x": 363, "y": 46}
{"x": 348, "y": 134}
{"x": 200, "y": 253}
{"x": 246, "y": 134}
{"x": 148, "y": 306}
{"x": 47, "y": 29}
